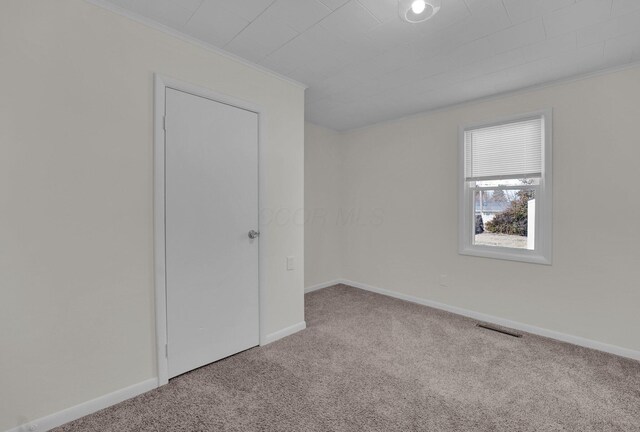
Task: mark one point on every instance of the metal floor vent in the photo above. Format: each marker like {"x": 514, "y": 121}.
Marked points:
{"x": 497, "y": 329}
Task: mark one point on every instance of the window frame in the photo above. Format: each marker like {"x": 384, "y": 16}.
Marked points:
{"x": 542, "y": 254}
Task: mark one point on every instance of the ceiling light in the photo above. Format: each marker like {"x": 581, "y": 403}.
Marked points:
{"x": 418, "y": 6}
{"x": 415, "y": 11}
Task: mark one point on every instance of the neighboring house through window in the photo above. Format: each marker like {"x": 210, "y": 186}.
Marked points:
{"x": 505, "y": 192}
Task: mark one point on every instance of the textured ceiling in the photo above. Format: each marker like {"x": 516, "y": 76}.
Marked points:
{"x": 363, "y": 64}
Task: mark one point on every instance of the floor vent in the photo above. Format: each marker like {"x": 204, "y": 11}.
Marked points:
{"x": 502, "y": 330}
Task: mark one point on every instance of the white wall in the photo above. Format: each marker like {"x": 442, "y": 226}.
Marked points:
{"x": 407, "y": 171}
{"x": 76, "y": 188}
{"x": 324, "y": 226}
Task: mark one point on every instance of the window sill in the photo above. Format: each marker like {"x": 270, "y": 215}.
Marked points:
{"x": 507, "y": 254}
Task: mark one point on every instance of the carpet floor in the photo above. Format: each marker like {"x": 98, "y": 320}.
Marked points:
{"x": 367, "y": 362}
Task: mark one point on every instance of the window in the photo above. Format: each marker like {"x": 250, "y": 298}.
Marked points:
{"x": 505, "y": 192}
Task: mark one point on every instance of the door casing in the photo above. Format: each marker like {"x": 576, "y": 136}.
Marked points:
{"x": 161, "y": 84}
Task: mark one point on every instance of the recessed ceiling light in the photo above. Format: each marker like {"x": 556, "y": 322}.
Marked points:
{"x": 415, "y": 11}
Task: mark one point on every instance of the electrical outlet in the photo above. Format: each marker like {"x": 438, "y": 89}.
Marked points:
{"x": 291, "y": 265}
{"x": 444, "y": 280}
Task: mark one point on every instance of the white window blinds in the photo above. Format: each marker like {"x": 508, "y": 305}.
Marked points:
{"x": 511, "y": 150}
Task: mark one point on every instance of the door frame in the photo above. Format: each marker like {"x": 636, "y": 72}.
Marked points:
{"x": 161, "y": 84}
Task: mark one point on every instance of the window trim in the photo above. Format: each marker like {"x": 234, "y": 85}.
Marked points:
{"x": 542, "y": 254}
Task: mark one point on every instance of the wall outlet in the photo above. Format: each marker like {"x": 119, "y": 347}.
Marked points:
{"x": 291, "y": 265}
{"x": 444, "y": 280}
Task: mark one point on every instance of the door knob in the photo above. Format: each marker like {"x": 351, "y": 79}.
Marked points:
{"x": 254, "y": 234}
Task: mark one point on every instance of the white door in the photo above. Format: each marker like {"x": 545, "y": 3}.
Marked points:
{"x": 211, "y": 204}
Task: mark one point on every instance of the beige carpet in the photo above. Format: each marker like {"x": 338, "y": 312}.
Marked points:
{"x": 372, "y": 363}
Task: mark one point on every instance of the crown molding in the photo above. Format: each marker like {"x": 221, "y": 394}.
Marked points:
{"x": 492, "y": 97}
{"x": 104, "y": 4}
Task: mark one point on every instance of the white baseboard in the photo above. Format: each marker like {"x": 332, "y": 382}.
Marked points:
{"x": 322, "y": 285}
{"x": 65, "y": 416}
{"x": 551, "y": 334}
{"x": 287, "y": 331}
{"x": 57, "y": 419}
